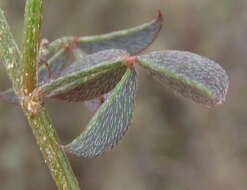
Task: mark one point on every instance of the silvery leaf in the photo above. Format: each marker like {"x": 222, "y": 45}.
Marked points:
{"x": 110, "y": 122}
{"x": 195, "y": 77}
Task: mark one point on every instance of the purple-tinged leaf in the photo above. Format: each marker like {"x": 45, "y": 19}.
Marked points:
{"x": 94, "y": 60}
{"x": 110, "y": 122}
{"x": 94, "y": 87}
{"x": 132, "y": 40}
{"x": 195, "y": 77}
{"x": 88, "y": 78}
{"x": 97, "y": 74}
{"x": 9, "y": 96}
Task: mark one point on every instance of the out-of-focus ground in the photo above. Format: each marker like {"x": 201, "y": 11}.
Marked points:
{"x": 173, "y": 143}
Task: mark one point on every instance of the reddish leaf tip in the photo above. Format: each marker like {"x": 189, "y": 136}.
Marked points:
{"x": 160, "y": 17}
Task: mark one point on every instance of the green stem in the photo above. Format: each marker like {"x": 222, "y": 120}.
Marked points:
{"x": 9, "y": 53}
{"x": 54, "y": 156}
{"x": 25, "y": 70}
{"x": 32, "y": 26}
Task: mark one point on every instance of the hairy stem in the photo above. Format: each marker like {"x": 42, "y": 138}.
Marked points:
{"x": 22, "y": 73}
{"x": 9, "y": 53}
{"x": 32, "y": 25}
{"x": 53, "y": 155}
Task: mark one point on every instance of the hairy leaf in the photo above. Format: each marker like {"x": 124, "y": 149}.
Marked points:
{"x": 132, "y": 40}
{"x": 81, "y": 90}
{"x": 188, "y": 74}
{"x": 97, "y": 74}
{"x": 78, "y": 53}
{"x": 110, "y": 122}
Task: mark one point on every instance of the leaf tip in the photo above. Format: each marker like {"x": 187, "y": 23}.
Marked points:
{"x": 223, "y": 95}
{"x": 160, "y": 17}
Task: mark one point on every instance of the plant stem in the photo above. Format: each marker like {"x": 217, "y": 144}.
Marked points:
{"x": 32, "y": 26}
{"x": 25, "y": 69}
{"x": 54, "y": 156}
{"x": 9, "y": 53}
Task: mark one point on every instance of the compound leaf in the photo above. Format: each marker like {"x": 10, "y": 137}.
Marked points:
{"x": 97, "y": 74}
{"x": 110, "y": 122}
{"x": 195, "y": 77}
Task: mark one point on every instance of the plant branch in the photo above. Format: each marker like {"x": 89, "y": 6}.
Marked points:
{"x": 54, "y": 156}
{"x": 25, "y": 69}
{"x": 9, "y": 53}
{"x": 32, "y": 26}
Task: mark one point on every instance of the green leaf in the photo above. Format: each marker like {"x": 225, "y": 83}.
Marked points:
{"x": 110, "y": 122}
{"x": 133, "y": 40}
{"x": 96, "y": 75}
{"x": 195, "y": 77}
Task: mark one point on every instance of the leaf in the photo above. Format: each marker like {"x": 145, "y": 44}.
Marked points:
{"x": 82, "y": 90}
{"x": 110, "y": 122}
{"x": 88, "y": 78}
{"x": 97, "y": 75}
{"x": 195, "y": 77}
{"x": 133, "y": 40}
{"x": 78, "y": 53}
{"x": 9, "y": 96}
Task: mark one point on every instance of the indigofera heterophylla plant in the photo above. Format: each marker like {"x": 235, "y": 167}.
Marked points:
{"x": 100, "y": 71}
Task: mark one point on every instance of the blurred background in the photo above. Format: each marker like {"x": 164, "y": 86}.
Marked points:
{"x": 172, "y": 144}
